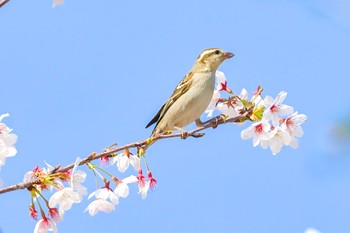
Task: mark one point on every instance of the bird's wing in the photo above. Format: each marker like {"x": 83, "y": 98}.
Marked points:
{"x": 181, "y": 88}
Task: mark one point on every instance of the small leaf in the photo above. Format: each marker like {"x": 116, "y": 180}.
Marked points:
{"x": 257, "y": 113}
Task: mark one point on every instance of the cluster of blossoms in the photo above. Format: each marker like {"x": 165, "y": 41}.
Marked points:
{"x": 7, "y": 141}
{"x": 274, "y": 124}
{"x": 61, "y": 200}
{"x": 64, "y": 197}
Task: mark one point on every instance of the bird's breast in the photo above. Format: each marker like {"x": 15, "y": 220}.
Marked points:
{"x": 194, "y": 102}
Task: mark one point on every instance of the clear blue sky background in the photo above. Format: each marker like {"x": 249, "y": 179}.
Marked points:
{"x": 81, "y": 76}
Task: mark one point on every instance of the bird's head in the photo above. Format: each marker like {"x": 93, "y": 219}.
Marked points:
{"x": 212, "y": 58}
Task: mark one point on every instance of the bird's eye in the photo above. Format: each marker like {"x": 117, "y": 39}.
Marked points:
{"x": 217, "y": 51}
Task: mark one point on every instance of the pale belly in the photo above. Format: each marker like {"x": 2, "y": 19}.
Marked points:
{"x": 191, "y": 105}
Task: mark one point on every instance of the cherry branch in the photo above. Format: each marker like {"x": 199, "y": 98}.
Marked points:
{"x": 111, "y": 151}
{"x": 3, "y": 2}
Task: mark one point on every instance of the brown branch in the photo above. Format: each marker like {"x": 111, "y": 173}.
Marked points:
{"x": 214, "y": 122}
{"x": 3, "y": 2}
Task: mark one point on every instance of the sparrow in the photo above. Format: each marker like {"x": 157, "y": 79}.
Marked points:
{"x": 192, "y": 95}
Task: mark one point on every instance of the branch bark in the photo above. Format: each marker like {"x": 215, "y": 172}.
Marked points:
{"x": 212, "y": 123}
{"x": 3, "y": 2}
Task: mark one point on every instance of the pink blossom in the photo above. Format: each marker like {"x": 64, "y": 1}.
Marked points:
{"x": 222, "y": 82}
{"x": 258, "y": 131}
{"x": 104, "y": 160}
{"x": 33, "y": 212}
{"x": 152, "y": 181}
{"x": 55, "y": 214}
{"x": 274, "y": 108}
{"x": 143, "y": 185}
{"x": 44, "y": 225}
{"x": 99, "y": 205}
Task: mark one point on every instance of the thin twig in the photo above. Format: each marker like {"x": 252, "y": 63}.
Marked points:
{"x": 219, "y": 120}
{"x": 3, "y": 2}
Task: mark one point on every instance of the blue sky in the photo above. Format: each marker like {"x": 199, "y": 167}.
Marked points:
{"x": 81, "y": 76}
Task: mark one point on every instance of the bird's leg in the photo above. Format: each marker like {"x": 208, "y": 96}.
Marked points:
{"x": 199, "y": 123}
{"x": 215, "y": 123}
{"x": 184, "y": 134}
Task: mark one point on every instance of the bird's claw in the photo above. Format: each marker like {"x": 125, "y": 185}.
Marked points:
{"x": 214, "y": 123}
{"x": 184, "y": 135}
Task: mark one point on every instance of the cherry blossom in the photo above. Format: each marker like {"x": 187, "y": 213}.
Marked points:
{"x": 274, "y": 108}
{"x": 104, "y": 160}
{"x": 222, "y": 82}
{"x": 33, "y": 213}
{"x": 142, "y": 184}
{"x": 258, "y": 131}
{"x": 99, "y": 205}
{"x": 105, "y": 193}
{"x": 235, "y": 107}
{"x": 44, "y": 225}
{"x": 152, "y": 181}
{"x": 122, "y": 189}
{"x": 7, "y": 141}
{"x": 55, "y": 182}
{"x": 64, "y": 198}
{"x": 55, "y": 214}
{"x": 124, "y": 159}
{"x": 278, "y": 138}
{"x": 227, "y": 109}
{"x": 143, "y": 189}
{"x": 292, "y": 125}
{"x": 39, "y": 174}
{"x": 77, "y": 177}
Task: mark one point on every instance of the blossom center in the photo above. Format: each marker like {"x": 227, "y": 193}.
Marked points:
{"x": 274, "y": 108}
{"x": 259, "y": 128}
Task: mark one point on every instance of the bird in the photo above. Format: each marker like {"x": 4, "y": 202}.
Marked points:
{"x": 192, "y": 95}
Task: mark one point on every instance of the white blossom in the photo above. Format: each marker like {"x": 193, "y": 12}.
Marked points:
{"x": 7, "y": 141}
{"x": 77, "y": 177}
{"x": 124, "y": 159}
{"x": 258, "y": 131}
{"x": 105, "y": 193}
{"x": 122, "y": 189}
{"x": 274, "y": 108}
{"x": 64, "y": 198}
{"x": 99, "y": 205}
{"x": 278, "y": 138}
{"x": 293, "y": 124}
{"x": 143, "y": 189}
{"x": 44, "y": 225}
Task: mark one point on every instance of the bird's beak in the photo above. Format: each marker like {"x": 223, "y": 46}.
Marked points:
{"x": 228, "y": 55}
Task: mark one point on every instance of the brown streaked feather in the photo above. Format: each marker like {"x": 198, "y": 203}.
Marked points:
{"x": 180, "y": 89}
